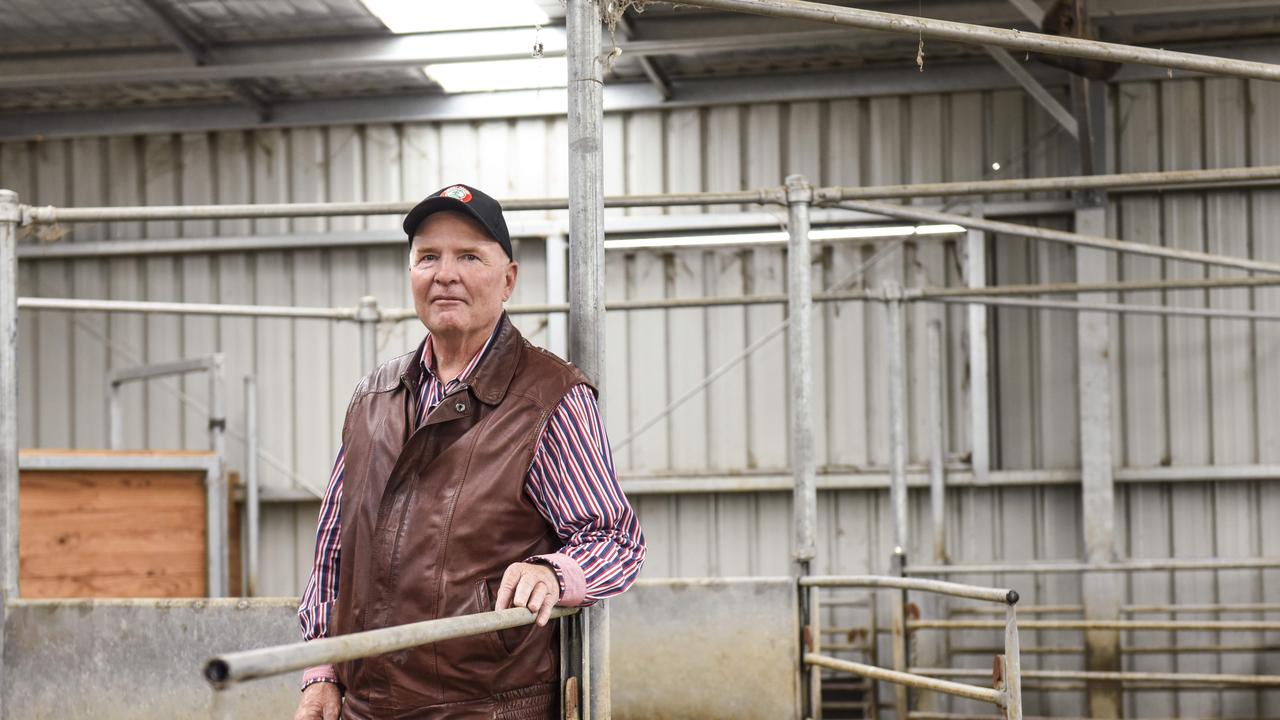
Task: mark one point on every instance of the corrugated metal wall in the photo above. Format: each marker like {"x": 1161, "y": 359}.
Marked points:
{"x": 1189, "y": 391}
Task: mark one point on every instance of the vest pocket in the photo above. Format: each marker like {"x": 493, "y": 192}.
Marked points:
{"x": 510, "y": 640}
{"x": 484, "y": 603}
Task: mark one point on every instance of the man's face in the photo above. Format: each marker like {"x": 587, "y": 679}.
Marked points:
{"x": 459, "y": 274}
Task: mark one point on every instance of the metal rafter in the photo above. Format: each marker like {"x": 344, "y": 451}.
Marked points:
{"x": 656, "y": 77}
{"x": 199, "y": 53}
{"x": 1056, "y": 110}
{"x": 971, "y": 34}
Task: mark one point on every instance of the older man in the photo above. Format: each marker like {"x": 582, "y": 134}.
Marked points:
{"x": 474, "y": 474}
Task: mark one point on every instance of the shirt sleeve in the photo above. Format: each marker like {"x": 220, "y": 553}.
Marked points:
{"x": 322, "y": 588}
{"x": 573, "y": 484}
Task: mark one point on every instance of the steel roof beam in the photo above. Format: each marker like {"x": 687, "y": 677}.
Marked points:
{"x": 1037, "y": 91}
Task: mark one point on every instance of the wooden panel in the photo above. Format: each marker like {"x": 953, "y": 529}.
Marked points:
{"x": 116, "y": 534}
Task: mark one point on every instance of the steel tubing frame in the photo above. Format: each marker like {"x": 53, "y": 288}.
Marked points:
{"x": 217, "y": 540}
{"x": 1175, "y": 625}
{"x": 1155, "y": 565}
{"x": 1119, "y": 182}
{"x": 226, "y": 670}
{"x": 800, "y": 369}
{"x": 995, "y": 697}
{"x": 9, "y": 218}
{"x": 998, "y": 37}
{"x": 1008, "y": 691}
{"x": 585, "y": 89}
{"x": 1004, "y": 596}
{"x": 1176, "y": 678}
{"x": 905, "y": 212}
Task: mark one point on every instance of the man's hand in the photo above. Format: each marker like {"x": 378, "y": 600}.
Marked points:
{"x": 320, "y": 701}
{"x": 529, "y": 585}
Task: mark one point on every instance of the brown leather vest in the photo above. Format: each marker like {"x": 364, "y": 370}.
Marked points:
{"x": 430, "y": 520}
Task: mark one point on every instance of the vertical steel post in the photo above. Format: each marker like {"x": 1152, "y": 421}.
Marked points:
{"x": 367, "y": 316}
{"x": 979, "y": 424}
{"x": 897, "y": 418}
{"x": 894, "y": 339}
{"x": 1101, "y": 591}
{"x": 937, "y": 445}
{"x": 873, "y": 655}
{"x": 815, "y": 646}
{"x": 800, "y": 367}
{"x": 901, "y": 697}
{"x": 1012, "y": 665}
{"x": 586, "y": 274}
{"x": 115, "y": 417}
{"x": 10, "y": 217}
{"x": 217, "y": 501}
{"x": 252, "y": 501}
{"x": 931, "y": 647}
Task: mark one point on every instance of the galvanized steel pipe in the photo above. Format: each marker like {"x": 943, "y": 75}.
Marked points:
{"x": 1118, "y": 183}
{"x": 178, "y": 308}
{"x": 226, "y": 670}
{"x": 999, "y": 37}
{"x": 1242, "y": 625}
{"x": 917, "y": 681}
{"x": 995, "y": 226}
{"x": 942, "y": 587}
{"x": 1104, "y": 287}
{"x": 1115, "y": 308}
{"x": 9, "y": 218}
{"x": 800, "y": 367}
{"x": 585, "y": 90}
{"x": 1121, "y": 182}
{"x": 1177, "y": 678}
{"x": 252, "y": 501}
{"x": 1156, "y": 565}
{"x": 894, "y": 341}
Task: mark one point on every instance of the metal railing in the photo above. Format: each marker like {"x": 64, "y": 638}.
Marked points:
{"x": 1006, "y": 692}
{"x": 226, "y": 670}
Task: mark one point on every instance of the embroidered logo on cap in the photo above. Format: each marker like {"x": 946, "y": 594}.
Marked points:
{"x": 457, "y": 192}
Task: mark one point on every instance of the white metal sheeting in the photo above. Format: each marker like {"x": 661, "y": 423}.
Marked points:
{"x": 1188, "y": 391}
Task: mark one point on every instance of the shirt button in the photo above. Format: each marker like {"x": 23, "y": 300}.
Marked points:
{"x": 460, "y": 407}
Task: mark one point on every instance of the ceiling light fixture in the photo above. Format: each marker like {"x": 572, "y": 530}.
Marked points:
{"x": 414, "y": 16}
{"x": 484, "y": 76}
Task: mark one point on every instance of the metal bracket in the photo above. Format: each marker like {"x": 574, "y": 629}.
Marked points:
{"x": 1037, "y": 91}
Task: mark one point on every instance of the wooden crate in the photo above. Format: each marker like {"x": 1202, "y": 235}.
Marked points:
{"x": 114, "y": 533}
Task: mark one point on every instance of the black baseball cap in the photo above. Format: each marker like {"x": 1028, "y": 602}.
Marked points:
{"x": 466, "y": 199}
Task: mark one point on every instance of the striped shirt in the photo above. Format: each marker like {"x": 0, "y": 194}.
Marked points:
{"x": 571, "y": 482}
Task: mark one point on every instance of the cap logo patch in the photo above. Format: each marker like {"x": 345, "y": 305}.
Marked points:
{"x": 457, "y": 192}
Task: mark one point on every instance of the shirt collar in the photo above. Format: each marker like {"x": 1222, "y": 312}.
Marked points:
{"x": 427, "y": 359}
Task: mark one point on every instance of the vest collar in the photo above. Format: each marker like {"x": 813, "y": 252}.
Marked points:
{"x": 490, "y": 378}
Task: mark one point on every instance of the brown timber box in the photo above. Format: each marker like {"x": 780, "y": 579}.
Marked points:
{"x": 116, "y": 533}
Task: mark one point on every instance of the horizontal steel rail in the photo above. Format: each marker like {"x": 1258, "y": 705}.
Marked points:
{"x": 905, "y": 212}
{"x": 1114, "y": 308}
{"x": 1177, "y": 678}
{"x": 974, "y": 592}
{"x": 181, "y": 308}
{"x": 988, "y": 295}
{"x": 226, "y": 670}
{"x": 1153, "y": 181}
{"x": 991, "y": 36}
{"x": 1201, "y": 608}
{"x": 1241, "y": 625}
{"x": 995, "y": 697}
{"x": 1120, "y": 182}
{"x": 1146, "y": 565}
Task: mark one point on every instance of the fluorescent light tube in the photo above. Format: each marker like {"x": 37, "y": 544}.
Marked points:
{"x": 484, "y": 76}
{"x": 413, "y": 16}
